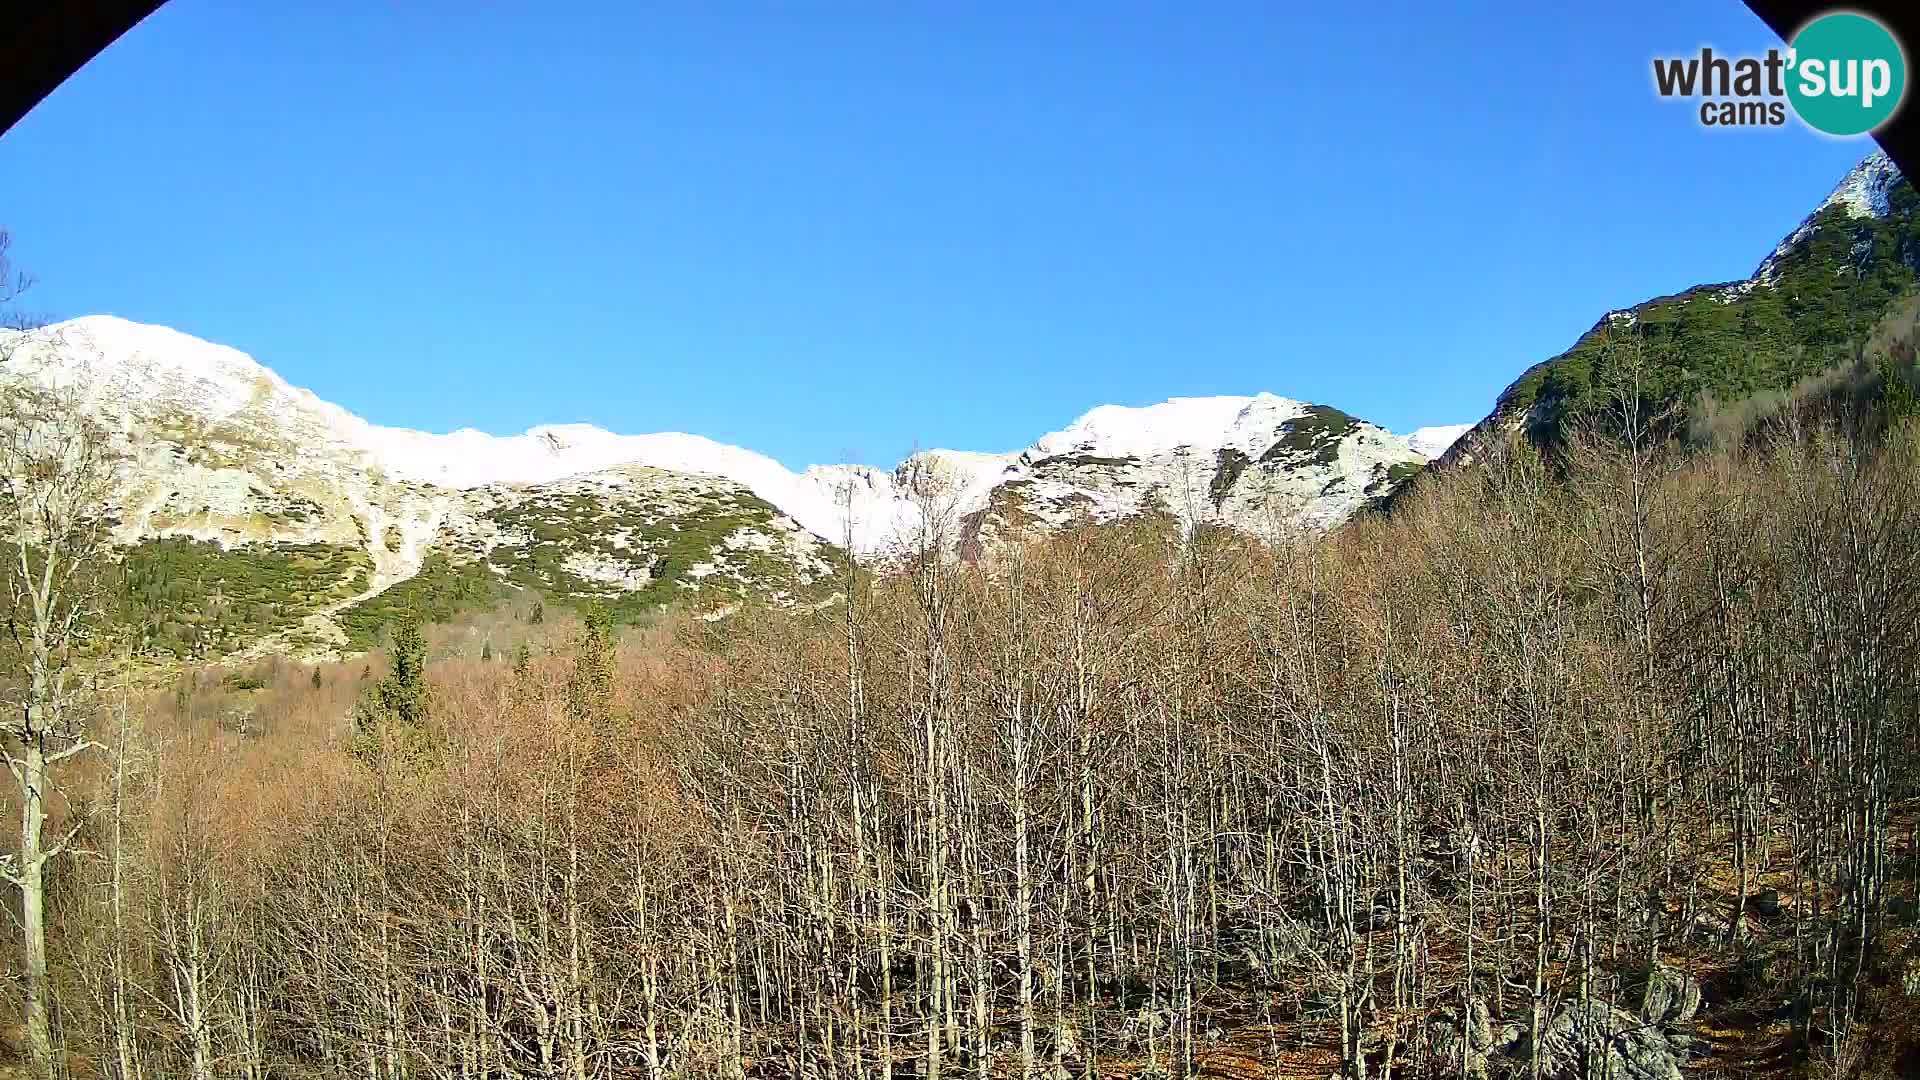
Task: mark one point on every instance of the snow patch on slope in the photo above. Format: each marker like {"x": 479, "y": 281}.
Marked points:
{"x": 1262, "y": 464}
{"x": 550, "y": 452}
{"x": 1145, "y": 431}
{"x": 1431, "y": 442}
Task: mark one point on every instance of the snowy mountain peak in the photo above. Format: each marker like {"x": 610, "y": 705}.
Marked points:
{"x": 149, "y": 361}
{"x": 1202, "y": 423}
{"x": 1866, "y": 191}
{"x": 1866, "y": 188}
{"x": 562, "y": 437}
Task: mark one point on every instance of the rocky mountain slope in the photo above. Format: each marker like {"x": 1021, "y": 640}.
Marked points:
{"x": 1816, "y": 295}
{"x": 1262, "y": 464}
{"x": 255, "y": 509}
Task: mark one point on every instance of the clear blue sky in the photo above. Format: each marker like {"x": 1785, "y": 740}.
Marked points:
{"x": 833, "y": 230}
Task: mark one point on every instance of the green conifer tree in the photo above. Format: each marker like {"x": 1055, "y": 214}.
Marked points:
{"x": 590, "y": 689}
{"x": 391, "y": 717}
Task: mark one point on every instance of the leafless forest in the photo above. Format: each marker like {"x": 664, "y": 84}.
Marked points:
{"x": 1566, "y": 768}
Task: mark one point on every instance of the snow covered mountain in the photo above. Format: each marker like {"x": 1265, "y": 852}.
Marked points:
{"x": 1431, "y": 442}
{"x": 225, "y": 452}
{"x": 1263, "y": 464}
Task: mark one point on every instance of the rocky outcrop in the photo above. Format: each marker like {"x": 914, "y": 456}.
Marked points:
{"x": 1482, "y": 1042}
{"x": 1581, "y": 1041}
{"x": 1671, "y": 996}
{"x": 1594, "y": 1039}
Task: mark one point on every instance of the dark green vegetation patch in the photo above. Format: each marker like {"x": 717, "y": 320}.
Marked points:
{"x": 183, "y": 597}
{"x": 1087, "y": 461}
{"x": 441, "y": 590}
{"x": 1228, "y": 465}
{"x": 1313, "y": 437}
{"x": 1400, "y": 472}
{"x": 666, "y": 538}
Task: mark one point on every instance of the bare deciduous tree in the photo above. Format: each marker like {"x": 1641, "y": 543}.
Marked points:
{"x": 56, "y": 481}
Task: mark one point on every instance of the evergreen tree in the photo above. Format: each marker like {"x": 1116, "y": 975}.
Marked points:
{"x": 392, "y": 715}
{"x": 590, "y": 689}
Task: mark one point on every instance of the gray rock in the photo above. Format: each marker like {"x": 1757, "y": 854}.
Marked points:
{"x": 1594, "y": 1039}
{"x": 1444, "y": 1047}
{"x": 1709, "y": 925}
{"x": 1686, "y": 1047}
{"x": 1483, "y": 1039}
{"x": 1380, "y": 917}
{"x": 1672, "y": 996}
{"x": 1479, "y": 1025}
{"x": 1139, "y": 1030}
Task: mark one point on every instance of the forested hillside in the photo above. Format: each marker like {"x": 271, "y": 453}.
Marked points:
{"x": 1602, "y": 771}
{"x": 1811, "y": 303}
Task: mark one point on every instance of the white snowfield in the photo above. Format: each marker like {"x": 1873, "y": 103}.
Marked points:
{"x": 156, "y": 376}
{"x": 1431, "y": 442}
{"x": 1117, "y": 430}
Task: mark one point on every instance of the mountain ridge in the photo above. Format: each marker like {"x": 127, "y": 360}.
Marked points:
{"x": 186, "y": 371}
{"x": 228, "y": 455}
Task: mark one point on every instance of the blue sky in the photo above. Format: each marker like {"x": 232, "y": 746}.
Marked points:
{"x": 842, "y": 230}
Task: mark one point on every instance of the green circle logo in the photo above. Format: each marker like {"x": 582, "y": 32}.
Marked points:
{"x": 1847, "y": 74}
